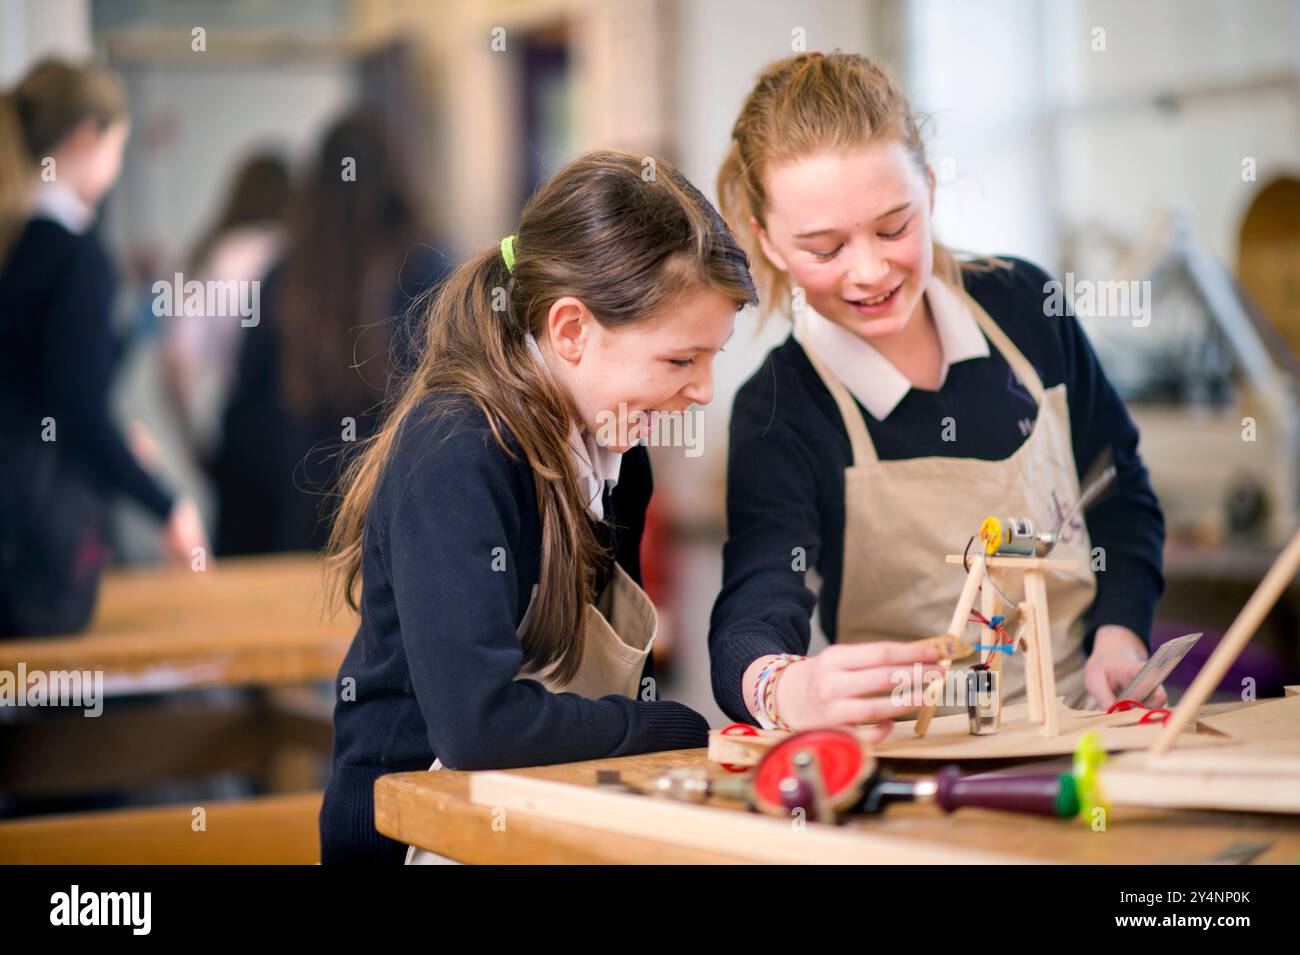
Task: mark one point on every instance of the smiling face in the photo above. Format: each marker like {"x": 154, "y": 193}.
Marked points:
{"x": 852, "y": 229}
{"x": 618, "y": 377}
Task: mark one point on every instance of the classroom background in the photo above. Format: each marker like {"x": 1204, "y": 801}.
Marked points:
{"x": 1154, "y": 143}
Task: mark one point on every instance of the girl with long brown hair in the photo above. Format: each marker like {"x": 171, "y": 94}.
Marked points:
{"x": 917, "y": 394}
{"x": 315, "y": 369}
{"x": 492, "y": 525}
{"x": 63, "y": 130}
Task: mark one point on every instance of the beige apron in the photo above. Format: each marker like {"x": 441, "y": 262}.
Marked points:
{"x": 902, "y": 517}
{"x": 618, "y": 633}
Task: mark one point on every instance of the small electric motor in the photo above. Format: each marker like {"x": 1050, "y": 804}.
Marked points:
{"x": 1014, "y": 537}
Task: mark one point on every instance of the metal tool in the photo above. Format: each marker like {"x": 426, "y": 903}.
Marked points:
{"x": 1239, "y": 853}
{"x": 983, "y": 700}
{"x": 1018, "y": 536}
{"x": 1161, "y": 664}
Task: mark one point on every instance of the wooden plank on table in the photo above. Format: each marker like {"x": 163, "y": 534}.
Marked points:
{"x": 269, "y": 830}
{"x": 242, "y": 621}
{"x": 1266, "y": 720}
{"x": 950, "y": 738}
{"x": 433, "y": 811}
{"x": 760, "y": 838}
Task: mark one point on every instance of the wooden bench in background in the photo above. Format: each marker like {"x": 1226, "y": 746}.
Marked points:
{"x": 256, "y": 624}
{"x": 269, "y": 830}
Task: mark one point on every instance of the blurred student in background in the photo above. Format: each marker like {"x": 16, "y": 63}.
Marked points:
{"x": 200, "y": 351}
{"x": 315, "y": 369}
{"x": 62, "y": 133}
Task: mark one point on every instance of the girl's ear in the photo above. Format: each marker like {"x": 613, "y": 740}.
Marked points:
{"x": 765, "y": 244}
{"x": 568, "y": 322}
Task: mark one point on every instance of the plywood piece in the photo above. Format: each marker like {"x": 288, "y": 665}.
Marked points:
{"x": 1255, "y": 776}
{"x": 1265, "y": 721}
{"x": 949, "y": 738}
{"x": 1278, "y": 578}
{"x": 750, "y": 836}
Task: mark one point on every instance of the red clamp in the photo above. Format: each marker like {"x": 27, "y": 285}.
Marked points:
{"x": 737, "y": 729}
{"x": 1157, "y": 715}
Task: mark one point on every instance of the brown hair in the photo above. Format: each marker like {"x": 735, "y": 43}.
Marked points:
{"x": 258, "y": 194}
{"x": 626, "y": 235}
{"x": 345, "y": 245}
{"x": 52, "y": 100}
{"x": 802, "y": 105}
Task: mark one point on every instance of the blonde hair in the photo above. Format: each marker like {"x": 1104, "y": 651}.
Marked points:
{"x": 52, "y": 100}
{"x": 627, "y": 248}
{"x": 802, "y": 105}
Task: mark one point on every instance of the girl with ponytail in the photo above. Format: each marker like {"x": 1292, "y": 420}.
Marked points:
{"x": 490, "y": 530}
{"x": 62, "y": 133}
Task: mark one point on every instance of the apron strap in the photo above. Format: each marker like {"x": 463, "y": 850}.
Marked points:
{"x": 864, "y": 449}
{"x": 1018, "y": 362}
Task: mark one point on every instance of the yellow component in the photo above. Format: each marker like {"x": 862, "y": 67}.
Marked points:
{"x": 1089, "y": 757}
{"x": 991, "y": 535}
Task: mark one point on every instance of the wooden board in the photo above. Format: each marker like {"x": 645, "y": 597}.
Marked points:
{"x": 748, "y": 835}
{"x": 433, "y": 811}
{"x": 949, "y": 738}
{"x": 1259, "y": 770}
{"x": 1267, "y": 720}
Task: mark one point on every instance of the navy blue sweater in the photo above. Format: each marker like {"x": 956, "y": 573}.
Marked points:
{"x": 789, "y": 449}
{"x": 436, "y": 654}
{"x": 57, "y": 356}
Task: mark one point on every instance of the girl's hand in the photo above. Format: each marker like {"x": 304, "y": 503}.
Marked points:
{"x": 183, "y": 533}
{"x": 1117, "y": 655}
{"x": 850, "y": 684}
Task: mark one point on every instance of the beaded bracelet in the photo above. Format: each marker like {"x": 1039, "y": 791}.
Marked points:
{"x": 765, "y": 691}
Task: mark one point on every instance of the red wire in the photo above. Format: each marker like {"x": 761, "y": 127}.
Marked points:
{"x": 977, "y": 617}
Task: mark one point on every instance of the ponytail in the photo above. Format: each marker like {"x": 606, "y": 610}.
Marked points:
{"x": 15, "y": 176}
{"x": 625, "y": 246}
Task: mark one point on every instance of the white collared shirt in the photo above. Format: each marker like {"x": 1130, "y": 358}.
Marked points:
{"x": 597, "y": 466}
{"x": 57, "y": 201}
{"x": 867, "y": 374}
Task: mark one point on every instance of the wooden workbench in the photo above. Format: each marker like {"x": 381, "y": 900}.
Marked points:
{"x": 433, "y": 811}
{"x": 244, "y": 621}
{"x": 255, "y": 623}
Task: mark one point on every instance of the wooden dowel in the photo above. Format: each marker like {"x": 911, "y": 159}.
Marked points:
{"x": 956, "y": 627}
{"x": 1234, "y": 641}
{"x": 1036, "y": 595}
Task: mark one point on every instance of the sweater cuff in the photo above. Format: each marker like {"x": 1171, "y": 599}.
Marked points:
{"x": 731, "y": 657}
{"x": 1132, "y": 609}
{"x": 670, "y": 725}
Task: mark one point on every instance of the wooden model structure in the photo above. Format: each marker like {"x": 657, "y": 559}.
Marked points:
{"x": 1034, "y": 637}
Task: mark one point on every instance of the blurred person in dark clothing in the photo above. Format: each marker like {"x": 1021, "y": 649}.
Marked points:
{"x": 200, "y": 351}
{"x": 335, "y": 327}
{"x": 63, "y": 130}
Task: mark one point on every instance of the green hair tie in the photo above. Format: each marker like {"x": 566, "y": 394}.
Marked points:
{"x": 508, "y": 252}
